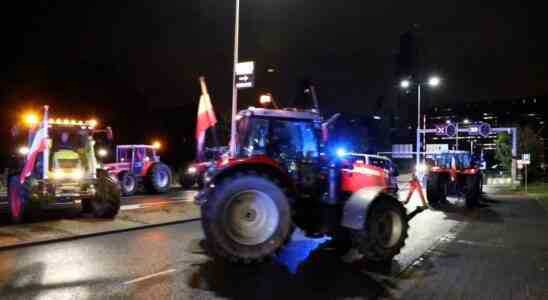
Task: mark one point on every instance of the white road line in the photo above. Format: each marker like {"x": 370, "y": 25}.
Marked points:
{"x": 183, "y": 199}
{"x": 131, "y": 206}
{"x": 148, "y": 205}
{"x": 149, "y": 276}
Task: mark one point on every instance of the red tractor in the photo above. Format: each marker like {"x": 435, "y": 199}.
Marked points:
{"x": 454, "y": 173}
{"x": 285, "y": 173}
{"x": 193, "y": 175}
{"x": 138, "y": 165}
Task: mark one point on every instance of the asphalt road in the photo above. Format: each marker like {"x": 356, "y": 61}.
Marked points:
{"x": 131, "y": 202}
{"x": 170, "y": 262}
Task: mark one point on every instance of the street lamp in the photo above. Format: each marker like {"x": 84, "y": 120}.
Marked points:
{"x": 433, "y": 81}
{"x": 234, "y": 90}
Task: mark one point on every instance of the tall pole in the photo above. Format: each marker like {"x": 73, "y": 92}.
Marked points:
{"x": 457, "y": 138}
{"x": 418, "y": 125}
{"x": 234, "y": 90}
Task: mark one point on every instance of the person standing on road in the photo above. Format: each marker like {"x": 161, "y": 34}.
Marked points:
{"x": 415, "y": 185}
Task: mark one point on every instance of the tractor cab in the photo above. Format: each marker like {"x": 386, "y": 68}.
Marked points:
{"x": 291, "y": 138}
{"x": 138, "y": 157}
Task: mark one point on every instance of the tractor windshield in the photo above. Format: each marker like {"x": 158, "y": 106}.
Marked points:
{"x": 278, "y": 138}
{"x": 461, "y": 160}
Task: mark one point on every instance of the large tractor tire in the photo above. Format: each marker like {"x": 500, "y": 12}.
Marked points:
{"x": 436, "y": 190}
{"x": 18, "y": 201}
{"x": 159, "y": 178}
{"x": 472, "y": 190}
{"x": 385, "y": 230}
{"x": 106, "y": 202}
{"x": 187, "y": 181}
{"x": 247, "y": 218}
{"x": 128, "y": 184}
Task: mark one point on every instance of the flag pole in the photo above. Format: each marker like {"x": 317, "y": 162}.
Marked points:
{"x": 45, "y": 160}
{"x": 203, "y": 85}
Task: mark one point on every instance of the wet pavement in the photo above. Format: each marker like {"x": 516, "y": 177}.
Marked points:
{"x": 498, "y": 251}
{"x": 135, "y": 212}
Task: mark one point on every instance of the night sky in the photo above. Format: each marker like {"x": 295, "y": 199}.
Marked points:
{"x": 121, "y": 61}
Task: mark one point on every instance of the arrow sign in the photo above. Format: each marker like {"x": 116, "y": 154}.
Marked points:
{"x": 245, "y": 77}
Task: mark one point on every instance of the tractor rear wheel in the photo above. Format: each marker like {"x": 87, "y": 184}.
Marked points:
{"x": 18, "y": 200}
{"x": 159, "y": 178}
{"x": 247, "y": 218}
{"x": 472, "y": 190}
{"x": 128, "y": 184}
{"x": 106, "y": 202}
{"x": 436, "y": 189}
{"x": 186, "y": 180}
{"x": 385, "y": 230}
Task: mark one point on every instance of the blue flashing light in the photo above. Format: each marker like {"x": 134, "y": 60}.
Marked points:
{"x": 341, "y": 152}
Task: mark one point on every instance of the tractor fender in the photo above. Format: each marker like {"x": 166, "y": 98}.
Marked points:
{"x": 248, "y": 165}
{"x": 355, "y": 210}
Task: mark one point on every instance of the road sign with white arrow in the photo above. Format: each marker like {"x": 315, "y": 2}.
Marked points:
{"x": 245, "y": 75}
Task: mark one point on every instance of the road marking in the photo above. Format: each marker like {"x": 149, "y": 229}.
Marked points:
{"x": 183, "y": 199}
{"x": 148, "y": 205}
{"x": 130, "y": 207}
{"x": 149, "y": 276}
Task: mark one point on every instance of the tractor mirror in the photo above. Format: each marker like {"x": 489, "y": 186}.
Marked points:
{"x": 15, "y": 131}
{"x": 110, "y": 135}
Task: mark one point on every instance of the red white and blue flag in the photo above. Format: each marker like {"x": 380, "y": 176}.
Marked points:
{"x": 38, "y": 145}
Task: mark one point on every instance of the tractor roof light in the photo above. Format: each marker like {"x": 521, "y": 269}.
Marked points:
{"x": 30, "y": 119}
{"x": 157, "y": 145}
{"x": 93, "y": 123}
{"x": 90, "y": 124}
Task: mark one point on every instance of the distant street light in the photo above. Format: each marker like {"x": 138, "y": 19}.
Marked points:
{"x": 466, "y": 121}
{"x": 433, "y": 81}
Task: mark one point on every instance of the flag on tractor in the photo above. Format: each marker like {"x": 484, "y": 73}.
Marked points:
{"x": 453, "y": 171}
{"x": 39, "y": 144}
{"x": 206, "y": 118}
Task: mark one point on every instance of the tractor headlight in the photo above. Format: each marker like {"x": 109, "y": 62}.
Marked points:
{"x": 191, "y": 170}
{"x": 77, "y": 174}
{"x": 58, "y": 174}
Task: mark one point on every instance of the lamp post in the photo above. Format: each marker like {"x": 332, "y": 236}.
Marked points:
{"x": 234, "y": 90}
{"x": 433, "y": 81}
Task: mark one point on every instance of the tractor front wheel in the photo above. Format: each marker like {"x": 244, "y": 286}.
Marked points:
{"x": 106, "y": 202}
{"x": 159, "y": 178}
{"x": 247, "y": 218}
{"x": 436, "y": 190}
{"x": 385, "y": 230}
{"x": 18, "y": 201}
{"x": 128, "y": 184}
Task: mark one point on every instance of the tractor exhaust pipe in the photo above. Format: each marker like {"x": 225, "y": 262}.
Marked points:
{"x": 333, "y": 184}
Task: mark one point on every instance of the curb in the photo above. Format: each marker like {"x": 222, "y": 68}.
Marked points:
{"x": 87, "y": 235}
